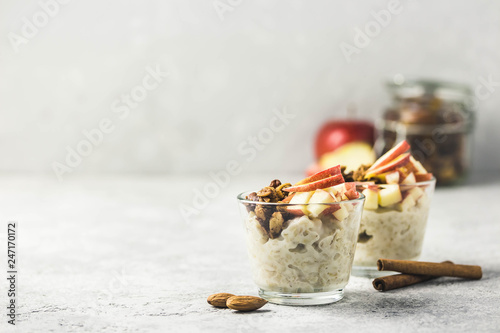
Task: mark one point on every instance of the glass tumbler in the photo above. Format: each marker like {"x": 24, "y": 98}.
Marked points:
{"x": 301, "y": 254}
{"x": 393, "y": 227}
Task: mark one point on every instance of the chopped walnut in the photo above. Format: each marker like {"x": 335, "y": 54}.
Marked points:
{"x": 275, "y": 225}
{"x": 263, "y": 212}
{"x": 271, "y": 218}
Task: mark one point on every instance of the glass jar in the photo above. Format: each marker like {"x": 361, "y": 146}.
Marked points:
{"x": 436, "y": 118}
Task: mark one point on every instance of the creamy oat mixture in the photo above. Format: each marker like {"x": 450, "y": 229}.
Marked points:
{"x": 310, "y": 255}
{"x": 393, "y": 234}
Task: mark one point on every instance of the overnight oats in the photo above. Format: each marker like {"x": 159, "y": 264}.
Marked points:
{"x": 301, "y": 239}
{"x": 398, "y": 193}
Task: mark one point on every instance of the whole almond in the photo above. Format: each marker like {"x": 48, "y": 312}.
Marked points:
{"x": 219, "y": 300}
{"x": 245, "y": 303}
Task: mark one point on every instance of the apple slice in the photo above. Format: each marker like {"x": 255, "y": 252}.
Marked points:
{"x": 299, "y": 199}
{"x": 410, "y": 179}
{"x": 337, "y": 189}
{"x": 331, "y": 209}
{"x": 288, "y": 198}
{"x": 392, "y": 177}
{"x": 397, "y": 162}
{"x": 416, "y": 193}
{"x": 410, "y": 198}
{"x": 319, "y": 196}
{"x": 319, "y": 184}
{"x": 349, "y": 186}
{"x": 397, "y": 150}
{"x": 407, "y": 203}
{"x": 422, "y": 177}
{"x": 371, "y": 199}
{"x": 336, "y": 170}
{"x": 417, "y": 166}
{"x": 389, "y": 196}
{"x": 365, "y": 184}
{"x": 341, "y": 213}
{"x": 352, "y": 194}
{"x": 350, "y": 191}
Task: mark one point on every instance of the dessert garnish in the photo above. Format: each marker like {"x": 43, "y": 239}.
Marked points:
{"x": 397, "y": 166}
{"x": 327, "y": 186}
{"x": 397, "y": 191}
{"x": 301, "y": 238}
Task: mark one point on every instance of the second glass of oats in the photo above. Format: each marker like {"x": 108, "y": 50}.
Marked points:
{"x": 393, "y": 223}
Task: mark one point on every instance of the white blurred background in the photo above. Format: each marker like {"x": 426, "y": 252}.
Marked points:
{"x": 229, "y": 64}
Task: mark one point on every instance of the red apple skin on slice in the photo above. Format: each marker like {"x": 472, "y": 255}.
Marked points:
{"x": 321, "y": 175}
{"x": 417, "y": 167}
{"x": 298, "y": 203}
{"x": 332, "y": 208}
{"x": 422, "y": 177}
{"x": 396, "y": 151}
{"x": 295, "y": 210}
{"x": 319, "y": 184}
{"x": 288, "y": 198}
{"x": 352, "y": 194}
{"x": 349, "y": 186}
{"x": 401, "y": 160}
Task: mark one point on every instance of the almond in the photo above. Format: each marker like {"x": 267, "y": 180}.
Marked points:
{"x": 245, "y": 303}
{"x": 219, "y": 300}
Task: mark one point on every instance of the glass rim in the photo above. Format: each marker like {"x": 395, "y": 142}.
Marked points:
{"x": 422, "y": 183}
{"x": 241, "y": 198}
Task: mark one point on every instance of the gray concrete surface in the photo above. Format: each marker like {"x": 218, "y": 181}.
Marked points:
{"x": 113, "y": 255}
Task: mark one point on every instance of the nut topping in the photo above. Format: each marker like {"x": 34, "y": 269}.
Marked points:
{"x": 275, "y": 183}
{"x": 275, "y": 225}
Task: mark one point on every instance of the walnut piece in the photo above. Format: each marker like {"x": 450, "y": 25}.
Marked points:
{"x": 275, "y": 225}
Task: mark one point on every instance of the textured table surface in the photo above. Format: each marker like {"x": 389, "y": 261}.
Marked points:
{"x": 113, "y": 254}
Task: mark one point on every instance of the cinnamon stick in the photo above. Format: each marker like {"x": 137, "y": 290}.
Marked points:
{"x": 430, "y": 268}
{"x": 391, "y": 282}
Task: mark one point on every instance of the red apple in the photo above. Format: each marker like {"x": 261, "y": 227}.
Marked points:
{"x": 396, "y": 151}
{"x": 319, "y": 184}
{"x": 337, "y": 133}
